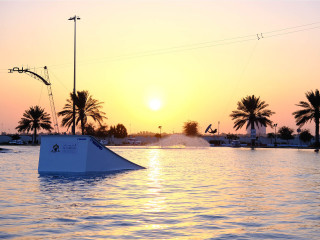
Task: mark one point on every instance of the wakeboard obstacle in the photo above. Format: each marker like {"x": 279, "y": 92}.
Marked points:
{"x": 79, "y": 154}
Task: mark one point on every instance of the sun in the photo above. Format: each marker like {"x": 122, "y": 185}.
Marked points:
{"x": 155, "y": 104}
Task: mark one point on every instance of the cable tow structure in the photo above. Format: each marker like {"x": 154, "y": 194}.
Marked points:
{"x": 46, "y": 81}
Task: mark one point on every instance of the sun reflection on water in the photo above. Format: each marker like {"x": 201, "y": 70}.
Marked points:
{"x": 155, "y": 203}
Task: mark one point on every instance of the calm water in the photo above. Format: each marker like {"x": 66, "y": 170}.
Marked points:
{"x": 209, "y": 193}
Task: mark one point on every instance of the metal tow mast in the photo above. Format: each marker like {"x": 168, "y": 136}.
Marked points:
{"x": 46, "y": 81}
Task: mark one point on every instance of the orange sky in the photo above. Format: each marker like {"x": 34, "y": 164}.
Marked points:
{"x": 201, "y": 84}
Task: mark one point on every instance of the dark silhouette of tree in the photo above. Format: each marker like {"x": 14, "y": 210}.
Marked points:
{"x": 15, "y": 136}
{"x": 305, "y": 136}
{"x": 271, "y": 136}
{"x": 285, "y": 133}
{"x": 86, "y": 107}
{"x": 34, "y": 119}
{"x": 89, "y": 129}
{"x": 157, "y": 135}
{"x": 102, "y": 131}
{"x": 310, "y": 112}
{"x": 251, "y": 111}
{"x": 190, "y": 128}
{"x": 120, "y": 131}
{"x": 231, "y": 136}
{"x": 112, "y": 131}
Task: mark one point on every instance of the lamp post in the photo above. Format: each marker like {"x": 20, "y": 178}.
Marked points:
{"x": 160, "y": 130}
{"x": 75, "y": 18}
{"x": 275, "y": 134}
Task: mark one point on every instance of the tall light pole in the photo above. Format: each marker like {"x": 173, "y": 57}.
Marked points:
{"x": 160, "y": 130}
{"x": 75, "y": 18}
{"x": 160, "y": 127}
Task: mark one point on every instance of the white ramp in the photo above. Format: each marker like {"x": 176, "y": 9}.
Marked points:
{"x": 79, "y": 154}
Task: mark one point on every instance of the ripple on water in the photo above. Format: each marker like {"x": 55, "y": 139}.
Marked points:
{"x": 208, "y": 193}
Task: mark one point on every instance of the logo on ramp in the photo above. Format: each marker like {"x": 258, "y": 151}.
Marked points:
{"x": 55, "y": 148}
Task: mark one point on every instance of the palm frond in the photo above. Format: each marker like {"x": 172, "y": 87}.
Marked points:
{"x": 251, "y": 111}
{"x": 33, "y": 119}
{"x": 85, "y": 107}
{"x": 310, "y": 110}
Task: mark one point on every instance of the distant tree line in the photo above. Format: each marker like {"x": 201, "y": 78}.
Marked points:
{"x": 118, "y": 131}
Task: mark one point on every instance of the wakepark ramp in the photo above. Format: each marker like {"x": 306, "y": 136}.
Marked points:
{"x": 79, "y": 154}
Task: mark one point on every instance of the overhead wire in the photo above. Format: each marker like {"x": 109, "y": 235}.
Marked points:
{"x": 290, "y": 32}
{"x": 239, "y": 79}
{"x": 298, "y": 26}
{"x": 207, "y": 44}
{"x": 195, "y": 46}
{"x": 161, "y": 52}
{"x": 56, "y": 78}
{"x": 40, "y": 94}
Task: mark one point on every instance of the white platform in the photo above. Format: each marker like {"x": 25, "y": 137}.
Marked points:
{"x": 79, "y": 154}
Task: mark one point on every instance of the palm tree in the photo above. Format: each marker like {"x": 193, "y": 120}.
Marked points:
{"x": 34, "y": 119}
{"x": 251, "y": 111}
{"x": 86, "y": 107}
{"x": 310, "y": 112}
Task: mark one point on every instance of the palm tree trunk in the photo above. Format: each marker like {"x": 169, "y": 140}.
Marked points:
{"x": 82, "y": 127}
{"x": 34, "y": 136}
{"x": 253, "y": 140}
{"x": 82, "y": 123}
{"x": 317, "y": 129}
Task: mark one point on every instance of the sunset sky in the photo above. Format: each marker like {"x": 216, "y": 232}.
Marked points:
{"x": 193, "y": 59}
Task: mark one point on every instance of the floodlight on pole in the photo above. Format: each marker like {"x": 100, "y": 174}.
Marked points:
{"x": 75, "y": 18}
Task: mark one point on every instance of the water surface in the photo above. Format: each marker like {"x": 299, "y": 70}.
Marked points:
{"x": 192, "y": 193}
